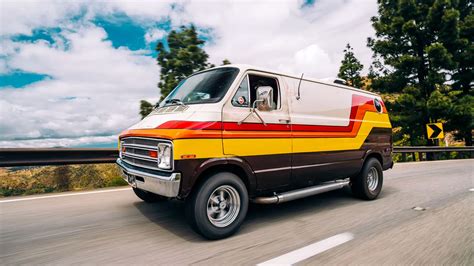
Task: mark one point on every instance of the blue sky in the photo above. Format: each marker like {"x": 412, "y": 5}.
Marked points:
{"x": 72, "y": 73}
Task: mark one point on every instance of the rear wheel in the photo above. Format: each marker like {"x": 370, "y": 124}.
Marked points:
{"x": 148, "y": 196}
{"x": 219, "y": 206}
{"x": 368, "y": 184}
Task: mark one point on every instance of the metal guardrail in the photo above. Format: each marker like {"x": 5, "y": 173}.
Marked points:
{"x": 56, "y": 156}
{"x": 432, "y": 149}
{"x": 10, "y": 157}
{"x": 436, "y": 153}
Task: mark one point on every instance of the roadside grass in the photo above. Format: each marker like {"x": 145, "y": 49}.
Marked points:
{"x": 16, "y": 181}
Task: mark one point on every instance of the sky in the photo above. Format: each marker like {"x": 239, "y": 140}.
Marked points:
{"x": 72, "y": 73}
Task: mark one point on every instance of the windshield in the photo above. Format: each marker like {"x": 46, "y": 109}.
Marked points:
{"x": 205, "y": 87}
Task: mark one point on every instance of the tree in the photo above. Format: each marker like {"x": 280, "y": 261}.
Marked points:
{"x": 412, "y": 62}
{"x": 180, "y": 56}
{"x": 145, "y": 108}
{"x": 350, "y": 68}
{"x": 226, "y": 62}
{"x": 457, "y": 35}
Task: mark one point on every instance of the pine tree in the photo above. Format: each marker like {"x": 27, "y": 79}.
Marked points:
{"x": 456, "y": 32}
{"x": 145, "y": 108}
{"x": 350, "y": 68}
{"x": 226, "y": 62}
{"x": 183, "y": 57}
{"x": 180, "y": 56}
{"x": 413, "y": 63}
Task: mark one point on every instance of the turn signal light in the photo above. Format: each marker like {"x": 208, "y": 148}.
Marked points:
{"x": 188, "y": 156}
{"x": 153, "y": 154}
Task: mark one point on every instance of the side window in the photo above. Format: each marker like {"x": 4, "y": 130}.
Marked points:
{"x": 256, "y": 81}
{"x": 241, "y": 97}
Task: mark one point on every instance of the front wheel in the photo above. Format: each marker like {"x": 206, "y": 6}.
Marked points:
{"x": 219, "y": 206}
{"x": 368, "y": 184}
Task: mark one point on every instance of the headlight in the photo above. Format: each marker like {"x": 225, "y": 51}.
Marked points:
{"x": 164, "y": 156}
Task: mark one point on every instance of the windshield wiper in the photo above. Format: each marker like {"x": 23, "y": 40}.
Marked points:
{"x": 175, "y": 101}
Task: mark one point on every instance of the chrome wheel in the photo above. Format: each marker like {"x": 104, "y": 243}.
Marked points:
{"x": 372, "y": 179}
{"x": 223, "y": 206}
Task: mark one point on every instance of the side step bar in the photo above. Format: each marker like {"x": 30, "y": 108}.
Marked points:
{"x": 301, "y": 193}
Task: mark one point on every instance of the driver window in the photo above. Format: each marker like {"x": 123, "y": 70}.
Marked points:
{"x": 260, "y": 81}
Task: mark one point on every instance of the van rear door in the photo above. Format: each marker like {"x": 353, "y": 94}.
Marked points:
{"x": 267, "y": 148}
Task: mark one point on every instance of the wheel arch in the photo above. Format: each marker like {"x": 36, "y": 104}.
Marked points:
{"x": 374, "y": 154}
{"x": 233, "y": 165}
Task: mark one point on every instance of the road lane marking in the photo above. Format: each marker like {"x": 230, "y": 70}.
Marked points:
{"x": 64, "y": 195}
{"x": 471, "y": 189}
{"x": 310, "y": 250}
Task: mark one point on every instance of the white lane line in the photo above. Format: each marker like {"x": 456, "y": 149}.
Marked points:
{"x": 309, "y": 251}
{"x": 471, "y": 189}
{"x": 64, "y": 195}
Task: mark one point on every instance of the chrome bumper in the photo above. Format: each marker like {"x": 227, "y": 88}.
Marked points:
{"x": 157, "y": 183}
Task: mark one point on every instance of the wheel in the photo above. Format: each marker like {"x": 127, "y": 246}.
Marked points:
{"x": 148, "y": 196}
{"x": 368, "y": 184}
{"x": 218, "y": 206}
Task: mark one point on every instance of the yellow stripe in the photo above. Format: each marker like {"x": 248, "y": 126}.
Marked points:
{"x": 370, "y": 121}
{"x": 202, "y": 148}
{"x": 212, "y": 148}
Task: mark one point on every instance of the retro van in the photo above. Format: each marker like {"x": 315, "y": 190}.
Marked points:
{"x": 236, "y": 133}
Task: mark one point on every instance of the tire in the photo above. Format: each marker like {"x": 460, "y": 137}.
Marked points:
{"x": 214, "y": 217}
{"x": 148, "y": 196}
{"x": 368, "y": 183}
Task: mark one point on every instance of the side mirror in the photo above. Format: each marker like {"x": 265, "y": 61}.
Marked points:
{"x": 264, "y": 99}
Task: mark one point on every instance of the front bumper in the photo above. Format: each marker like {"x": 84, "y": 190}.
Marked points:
{"x": 151, "y": 181}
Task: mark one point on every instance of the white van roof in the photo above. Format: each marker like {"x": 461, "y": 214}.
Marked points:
{"x": 245, "y": 67}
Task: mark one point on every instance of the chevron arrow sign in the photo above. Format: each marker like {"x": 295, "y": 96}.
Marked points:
{"x": 435, "y": 130}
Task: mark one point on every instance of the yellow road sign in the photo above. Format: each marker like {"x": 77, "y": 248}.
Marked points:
{"x": 435, "y": 130}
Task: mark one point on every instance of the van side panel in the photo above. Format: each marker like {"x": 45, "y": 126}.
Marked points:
{"x": 333, "y": 130}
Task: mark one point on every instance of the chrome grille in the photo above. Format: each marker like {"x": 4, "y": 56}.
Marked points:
{"x": 137, "y": 152}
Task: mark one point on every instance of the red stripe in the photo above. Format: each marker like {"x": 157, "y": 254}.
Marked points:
{"x": 208, "y": 125}
{"x": 357, "y": 102}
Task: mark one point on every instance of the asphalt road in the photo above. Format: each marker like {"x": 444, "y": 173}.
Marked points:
{"x": 113, "y": 226}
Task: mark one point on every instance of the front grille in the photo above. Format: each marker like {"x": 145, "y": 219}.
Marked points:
{"x": 137, "y": 152}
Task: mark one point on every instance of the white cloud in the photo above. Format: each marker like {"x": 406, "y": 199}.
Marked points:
{"x": 154, "y": 35}
{"x": 273, "y": 33}
{"x": 22, "y": 16}
{"x": 95, "y": 89}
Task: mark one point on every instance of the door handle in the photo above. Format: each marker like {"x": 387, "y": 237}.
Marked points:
{"x": 285, "y": 121}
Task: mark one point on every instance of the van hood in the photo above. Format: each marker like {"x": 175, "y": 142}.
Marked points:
{"x": 156, "y": 124}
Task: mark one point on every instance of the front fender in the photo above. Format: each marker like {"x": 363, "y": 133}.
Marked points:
{"x": 193, "y": 170}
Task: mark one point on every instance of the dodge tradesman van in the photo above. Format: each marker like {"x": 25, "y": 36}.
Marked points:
{"x": 233, "y": 134}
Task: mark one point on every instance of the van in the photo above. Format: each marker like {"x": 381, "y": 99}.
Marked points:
{"x": 236, "y": 134}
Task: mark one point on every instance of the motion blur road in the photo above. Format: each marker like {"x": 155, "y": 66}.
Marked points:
{"x": 113, "y": 226}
